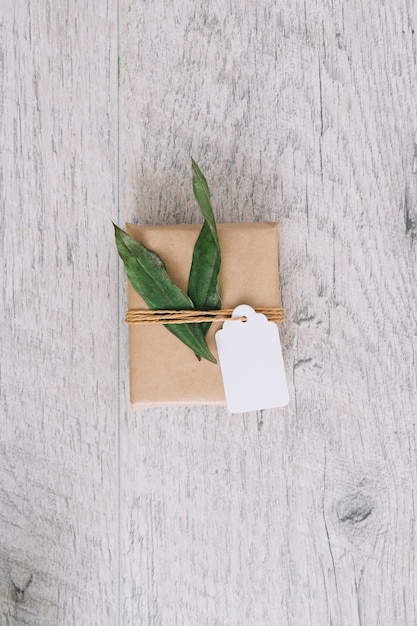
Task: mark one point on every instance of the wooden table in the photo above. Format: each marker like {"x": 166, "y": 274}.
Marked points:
{"x": 302, "y": 113}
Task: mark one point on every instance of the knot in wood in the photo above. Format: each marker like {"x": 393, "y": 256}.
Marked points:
{"x": 20, "y": 585}
{"x": 355, "y": 508}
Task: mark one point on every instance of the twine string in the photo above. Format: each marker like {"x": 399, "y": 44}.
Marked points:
{"x": 163, "y": 316}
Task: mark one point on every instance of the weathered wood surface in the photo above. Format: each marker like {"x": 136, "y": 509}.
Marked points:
{"x": 303, "y": 113}
{"x": 58, "y": 349}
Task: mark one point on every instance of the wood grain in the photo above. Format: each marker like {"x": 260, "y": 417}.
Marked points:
{"x": 58, "y": 477}
{"x": 303, "y": 113}
{"x": 299, "y": 112}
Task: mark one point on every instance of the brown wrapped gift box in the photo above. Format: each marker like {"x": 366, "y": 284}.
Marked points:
{"x": 163, "y": 371}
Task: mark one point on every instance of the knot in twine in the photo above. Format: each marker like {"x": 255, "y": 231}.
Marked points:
{"x": 163, "y": 316}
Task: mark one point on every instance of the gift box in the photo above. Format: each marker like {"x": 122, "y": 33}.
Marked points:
{"x": 165, "y": 372}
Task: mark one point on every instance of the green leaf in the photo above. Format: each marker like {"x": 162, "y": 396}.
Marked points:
{"x": 148, "y": 276}
{"x": 203, "y": 284}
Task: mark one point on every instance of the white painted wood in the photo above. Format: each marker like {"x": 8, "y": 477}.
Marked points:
{"x": 303, "y": 113}
{"x": 297, "y": 112}
{"x": 58, "y": 350}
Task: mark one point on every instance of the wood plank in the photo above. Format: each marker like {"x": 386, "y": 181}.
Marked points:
{"x": 58, "y": 353}
{"x": 302, "y": 113}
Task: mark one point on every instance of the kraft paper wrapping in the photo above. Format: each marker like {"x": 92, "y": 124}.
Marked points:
{"x": 165, "y": 372}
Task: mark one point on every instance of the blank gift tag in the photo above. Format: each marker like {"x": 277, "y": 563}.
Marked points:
{"x": 251, "y": 362}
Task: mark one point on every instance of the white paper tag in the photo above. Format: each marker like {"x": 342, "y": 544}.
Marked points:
{"x": 251, "y": 362}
